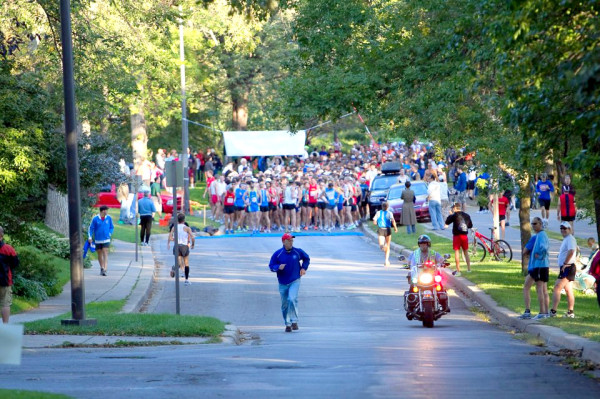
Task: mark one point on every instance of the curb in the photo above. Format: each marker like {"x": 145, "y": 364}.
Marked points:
{"x": 142, "y": 288}
{"x": 553, "y": 336}
{"x": 232, "y": 335}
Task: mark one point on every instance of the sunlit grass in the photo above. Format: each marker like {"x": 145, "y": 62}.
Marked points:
{"x": 20, "y": 394}
{"x": 111, "y": 322}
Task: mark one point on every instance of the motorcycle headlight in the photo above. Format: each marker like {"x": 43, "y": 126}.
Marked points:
{"x": 425, "y": 278}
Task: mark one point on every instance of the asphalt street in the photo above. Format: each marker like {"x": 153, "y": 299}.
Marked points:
{"x": 354, "y": 340}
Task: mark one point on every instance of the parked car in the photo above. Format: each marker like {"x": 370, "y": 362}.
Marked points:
{"x": 108, "y": 197}
{"x": 380, "y": 186}
{"x": 421, "y": 204}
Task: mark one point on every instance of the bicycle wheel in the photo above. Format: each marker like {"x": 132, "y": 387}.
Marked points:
{"x": 502, "y": 251}
{"x": 477, "y": 252}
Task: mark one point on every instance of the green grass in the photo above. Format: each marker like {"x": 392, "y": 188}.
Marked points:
{"x": 19, "y": 394}
{"x": 111, "y": 322}
{"x": 504, "y": 283}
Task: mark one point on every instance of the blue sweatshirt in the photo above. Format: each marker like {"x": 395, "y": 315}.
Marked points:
{"x": 101, "y": 230}
{"x": 146, "y": 207}
{"x": 291, "y": 260}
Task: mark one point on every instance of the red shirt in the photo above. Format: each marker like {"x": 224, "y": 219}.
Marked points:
{"x": 503, "y": 203}
{"x": 312, "y": 194}
{"x": 229, "y": 198}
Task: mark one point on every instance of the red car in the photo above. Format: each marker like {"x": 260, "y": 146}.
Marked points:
{"x": 109, "y": 198}
{"x": 421, "y": 204}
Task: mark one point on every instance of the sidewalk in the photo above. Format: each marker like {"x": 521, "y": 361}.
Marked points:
{"x": 551, "y": 335}
{"x": 126, "y": 279}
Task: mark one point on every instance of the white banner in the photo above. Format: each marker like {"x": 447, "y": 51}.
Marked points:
{"x": 264, "y": 143}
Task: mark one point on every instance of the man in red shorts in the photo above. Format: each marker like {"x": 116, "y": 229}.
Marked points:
{"x": 461, "y": 223}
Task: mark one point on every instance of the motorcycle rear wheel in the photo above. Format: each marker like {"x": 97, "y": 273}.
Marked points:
{"x": 428, "y": 314}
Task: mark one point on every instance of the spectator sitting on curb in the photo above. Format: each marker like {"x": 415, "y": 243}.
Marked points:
{"x": 537, "y": 270}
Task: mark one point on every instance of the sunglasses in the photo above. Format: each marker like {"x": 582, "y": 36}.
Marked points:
{"x": 563, "y": 228}
{"x": 533, "y": 224}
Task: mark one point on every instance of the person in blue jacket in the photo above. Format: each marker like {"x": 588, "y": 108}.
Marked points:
{"x": 101, "y": 229}
{"x": 290, "y": 264}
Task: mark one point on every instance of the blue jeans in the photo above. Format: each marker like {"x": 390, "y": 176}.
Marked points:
{"x": 289, "y": 301}
{"x": 410, "y": 228}
{"x": 435, "y": 211}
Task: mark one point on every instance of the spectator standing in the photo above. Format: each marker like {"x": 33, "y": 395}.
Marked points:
{"x": 435, "y": 203}
{"x": 9, "y": 261}
{"x": 155, "y": 194}
{"x": 566, "y": 209}
{"x": 444, "y": 196}
{"x": 408, "y": 217}
{"x": 199, "y": 166}
{"x": 461, "y": 188}
{"x": 461, "y": 223}
{"x": 384, "y": 220}
{"x": 537, "y": 270}
{"x": 290, "y": 264}
{"x": 595, "y": 266}
{"x": 100, "y": 231}
{"x": 503, "y": 204}
{"x": 544, "y": 189}
{"x": 566, "y": 263}
{"x": 146, "y": 209}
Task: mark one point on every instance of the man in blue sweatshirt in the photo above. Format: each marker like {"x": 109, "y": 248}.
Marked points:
{"x": 101, "y": 229}
{"x": 287, "y": 263}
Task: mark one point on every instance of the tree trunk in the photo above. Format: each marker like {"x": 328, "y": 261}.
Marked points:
{"x": 57, "y": 211}
{"x": 139, "y": 136}
{"x": 524, "y": 215}
{"x": 239, "y": 102}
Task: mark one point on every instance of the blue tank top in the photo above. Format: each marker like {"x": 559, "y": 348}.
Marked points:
{"x": 264, "y": 199}
{"x": 384, "y": 219}
{"x": 239, "y": 197}
{"x": 253, "y": 197}
{"x": 331, "y": 195}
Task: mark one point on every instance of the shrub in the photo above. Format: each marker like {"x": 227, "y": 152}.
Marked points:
{"x": 29, "y": 289}
{"x": 45, "y": 240}
{"x": 39, "y": 267}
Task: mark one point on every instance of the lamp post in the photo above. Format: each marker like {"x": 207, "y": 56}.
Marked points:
{"x": 184, "y": 122}
{"x": 76, "y": 251}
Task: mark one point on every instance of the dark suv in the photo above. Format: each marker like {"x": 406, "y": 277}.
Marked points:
{"x": 381, "y": 184}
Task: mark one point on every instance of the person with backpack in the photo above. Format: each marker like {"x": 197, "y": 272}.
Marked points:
{"x": 566, "y": 209}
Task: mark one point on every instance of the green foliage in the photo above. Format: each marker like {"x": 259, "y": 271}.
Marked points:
{"x": 30, "y": 289}
{"x": 20, "y": 394}
{"x": 44, "y": 240}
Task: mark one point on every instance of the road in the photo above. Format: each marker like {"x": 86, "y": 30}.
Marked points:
{"x": 353, "y": 342}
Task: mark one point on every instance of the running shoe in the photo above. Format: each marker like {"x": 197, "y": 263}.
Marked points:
{"x": 456, "y": 273}
{"x": 526, "y": 315}
{"x": 540, "y": 316}
{"x": 570, "y": 315}
{"x": 187, "y": 282}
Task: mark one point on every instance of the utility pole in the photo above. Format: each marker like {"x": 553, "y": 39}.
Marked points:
{"x": 184, "y": 122}
{"x": 73, "y": 195}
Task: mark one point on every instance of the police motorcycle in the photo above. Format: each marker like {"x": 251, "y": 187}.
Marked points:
{"x": 427, "y": 299}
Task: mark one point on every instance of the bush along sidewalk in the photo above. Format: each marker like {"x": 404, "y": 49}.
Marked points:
{"x": 503, "y": 281}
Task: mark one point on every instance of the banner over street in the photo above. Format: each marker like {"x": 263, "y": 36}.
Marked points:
{"x": 264, "y": 143}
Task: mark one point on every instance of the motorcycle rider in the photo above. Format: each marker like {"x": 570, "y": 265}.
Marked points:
{"x": 419, "y": 256}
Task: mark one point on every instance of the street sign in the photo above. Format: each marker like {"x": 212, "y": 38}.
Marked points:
{"x": 174, "y": 173}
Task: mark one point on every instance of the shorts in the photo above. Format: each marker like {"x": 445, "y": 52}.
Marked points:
{"x": 239, "y": 208}
{"x": 502, "y": 217}
{"x": 471, "y": 185}
{"x": 568, "y": 273}
{"x": 102, "y": 245}
{"x": 567, "y": 218}
{"x": 461, "y": 197}
{"x": 5, "y": 296}
{"x": 384, "y": 231}
{"x": 289, "y": 207}
{"x": 312, "y": 204}
{"x": 340, "y": 207}
{"x": 181, "y": 250}
{"x": 540, "y": 274}
{"x": 460, "y": 241}
{"x": 214, "y": 199}
{"x": 264, "y": 208}
{"x": 545, "y": 203}
{"x": 353, "y": 208}
{"x": 321, "y": 205}
{"x": 229, "y": 209}
{"x": 272, "y": 207}
{"x": 303, "y": 204}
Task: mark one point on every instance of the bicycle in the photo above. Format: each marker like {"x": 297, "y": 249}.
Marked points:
{"x": 500, "y": 250}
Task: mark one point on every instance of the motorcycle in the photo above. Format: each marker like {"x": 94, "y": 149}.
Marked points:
{"x": 427, "y": 300}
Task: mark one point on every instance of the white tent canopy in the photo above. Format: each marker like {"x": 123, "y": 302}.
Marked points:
{"x": 264, "y": 143}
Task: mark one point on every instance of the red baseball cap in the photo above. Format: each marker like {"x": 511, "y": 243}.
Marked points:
{"x": 287, "y": 236}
